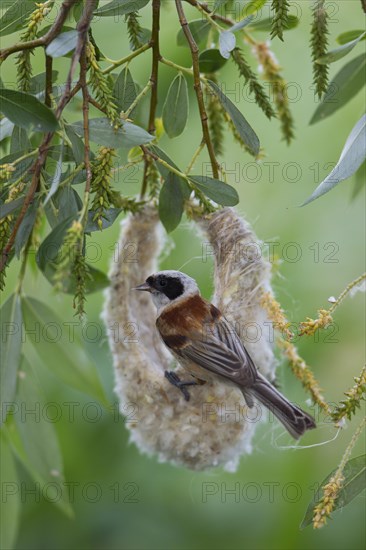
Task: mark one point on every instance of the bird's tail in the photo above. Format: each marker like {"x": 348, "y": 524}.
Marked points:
{"x": 295, "y": 420}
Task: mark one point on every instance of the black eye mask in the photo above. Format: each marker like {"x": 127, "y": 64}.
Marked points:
{"x": 172, "y": 287}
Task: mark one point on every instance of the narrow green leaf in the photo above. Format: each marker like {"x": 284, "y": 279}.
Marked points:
{"x": 360, "y": 180}
{"x": 63, "y": 44}
{"x": 26, "y": 111}
{"x": 242, "y": 24}
{"x": 77, "y": 144}
{"x": 354, "y": 482}
{"x": 216, "y": 190}
{"x": 186, "y": 190}
{"x": 67, "y": 204}
{"x": 103, "y": 133}
{"x": 19, "y": 141}
{"x": 246, "y": 132}
{"x": 171, "y": 202}
{"x": 15, "y": 16}
{"x": 26, "y": 227}
{"x": 39, "y": 440}
{"x": 253, "y": 7}
{"x": 175, "y": 110}
{"x": 162, "y": 154}
{"x": 11, "y": 344}
{"x": 199, "y": 29}
{"x": 352, "y": 156}
{"x": 40, "y": 453}
{"x": 62, "y": 354}
{"x": 8, "y": 208}
{"x": 10, "y": 502}
{"x": 227, "y": 42}
{"x": 125, "y": 89}
{"x": 265, "y": 25}
{"x": 340, "y": 52}
{"x": 121, "y": 7}
{"x": 50, "y": 247}
{"x": 56, "y": 177}
{"x": 348, "y": 36}
{"x": 211, "y": 61}
{"x": 345, "y": 85}
{"x": 6, "y": 128}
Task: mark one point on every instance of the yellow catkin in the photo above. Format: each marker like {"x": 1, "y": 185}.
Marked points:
{"x": 325, "y": 507}
{"x": 310, "y": 326}
{"x": 354, "y": 396}
{"x": 277, "y": 315}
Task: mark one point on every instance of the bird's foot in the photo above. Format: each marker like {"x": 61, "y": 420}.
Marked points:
{"x": 174, "y": 379}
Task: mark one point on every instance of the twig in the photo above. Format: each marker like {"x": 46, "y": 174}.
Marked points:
{"x": 203, "y": 6}
{"x": 126, "y": 59}
{"x": 197, "y": 86}
{"x": 195, "y": 157}
{"x": 47, "y": 38}
{"x": 82, "y": 28}
{"x": 48, "y": 93}
{"x": 148, "y": 153}
{"x": 137, "y": 100}
{"x": 154, "y": 43}
{"x": 86, "y": 100}
{"x": 348, "y": 288}
{"x": 155, "y": 63}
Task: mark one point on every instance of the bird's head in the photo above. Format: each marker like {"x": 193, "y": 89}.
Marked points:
{"x": 168, "y": 286}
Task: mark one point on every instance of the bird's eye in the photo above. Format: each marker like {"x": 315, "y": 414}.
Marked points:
{"x": 162, "y": 281}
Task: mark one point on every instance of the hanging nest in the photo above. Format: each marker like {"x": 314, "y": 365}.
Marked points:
{"x": 215, "y": 427}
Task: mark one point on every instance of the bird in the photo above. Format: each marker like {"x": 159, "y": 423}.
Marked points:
{"x": 208, "y": 347}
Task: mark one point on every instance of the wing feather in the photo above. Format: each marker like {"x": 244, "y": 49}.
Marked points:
{"x": 221, "y": 352}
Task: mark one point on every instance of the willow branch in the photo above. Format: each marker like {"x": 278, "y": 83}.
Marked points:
{"x": 203, "y": 6}
{"x": 47, "y": 38}
{"x": 197, "y": 86}
{"x": 48, "y": 91}
{"x": 83, "y": 27}
{"x": 155, "y": 45}
{"x": 86, "y": 99}
{"x": 155, "y": 63}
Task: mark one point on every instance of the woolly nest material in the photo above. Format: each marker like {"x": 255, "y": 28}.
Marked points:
{"x": 215, "y": 427}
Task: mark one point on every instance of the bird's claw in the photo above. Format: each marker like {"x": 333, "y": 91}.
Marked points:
{"x": 174, "y": 379}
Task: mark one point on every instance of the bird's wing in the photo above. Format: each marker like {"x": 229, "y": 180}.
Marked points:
{"x": 220, "y": 351}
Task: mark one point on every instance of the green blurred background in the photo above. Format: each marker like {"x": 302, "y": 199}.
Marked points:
{"x": 169, "y": 511}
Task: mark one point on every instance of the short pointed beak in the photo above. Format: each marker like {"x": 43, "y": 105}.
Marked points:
{"x": 144, "y": 286}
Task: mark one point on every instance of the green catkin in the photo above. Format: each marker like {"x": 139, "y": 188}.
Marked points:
{"x": 102, "y": 89}
{"x": 6, "y": 225}
{"x": 216, "y": 119}
{"x": 255, "y": 86}
{"x": 105, "y": 196}
{"x": 23, "y": 60}
{"x": 153, "y": 179}
{"x": 271, "y": 73}
{"x": 280, "y": 17}
{"x": 72, "y": 266}
{"x": 134, "y": 30}
{"x": 354, "y": 396}
{"x": 319, "y": 43}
